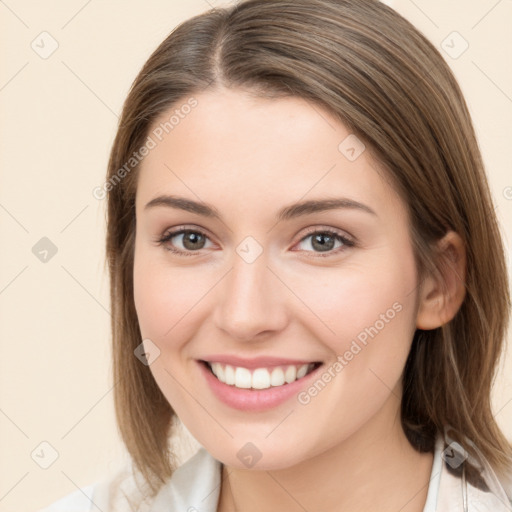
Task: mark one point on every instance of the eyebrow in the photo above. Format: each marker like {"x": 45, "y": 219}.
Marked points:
{"x": 288, "y": 212}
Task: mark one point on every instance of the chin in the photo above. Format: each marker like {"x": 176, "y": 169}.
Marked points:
{"x": 258, "y": 454}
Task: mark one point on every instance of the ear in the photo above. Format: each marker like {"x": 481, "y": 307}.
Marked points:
{"x": 441, "y": 296}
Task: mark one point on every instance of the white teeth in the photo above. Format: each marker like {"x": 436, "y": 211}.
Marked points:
{"x": 229, "y": 373}
{"x": 242, "y": 378}
{"x": 218, "y": 371}
{"x": 290, "y": 374}
{"x": 302, "y": 371}
{"x": 260, "y": 378}
{"x": 277, "y": 377}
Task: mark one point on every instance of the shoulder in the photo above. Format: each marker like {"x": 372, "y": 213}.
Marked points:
{"x": 462, "y": 479}
{"x": 196, "y": 483}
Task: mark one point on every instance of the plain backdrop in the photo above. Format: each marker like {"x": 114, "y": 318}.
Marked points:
{"x": 66, "y": 67}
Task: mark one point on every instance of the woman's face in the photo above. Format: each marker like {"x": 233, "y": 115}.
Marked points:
{"x": 267, "y": 283}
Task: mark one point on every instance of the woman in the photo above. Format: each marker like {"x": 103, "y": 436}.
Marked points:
{"x": 306, "y": 270}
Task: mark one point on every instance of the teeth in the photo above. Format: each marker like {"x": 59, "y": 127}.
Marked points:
{"x": 277, "y": 377}
{"x": 260, "y": 378}
{"x": 302, "y": 371}
{"x": 229, "y": 373}
{"x": 290, "y": 374}
{"x": 219, "y": 371}
{"x": 242, "y": 378}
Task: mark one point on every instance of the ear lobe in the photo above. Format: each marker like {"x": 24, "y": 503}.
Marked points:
{"x": 441, "y": 296}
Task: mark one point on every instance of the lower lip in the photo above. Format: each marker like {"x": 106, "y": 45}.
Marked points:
{"x": 254, "y": 399}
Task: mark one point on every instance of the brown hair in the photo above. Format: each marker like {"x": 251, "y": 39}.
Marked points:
{"x": 390, "y": 86}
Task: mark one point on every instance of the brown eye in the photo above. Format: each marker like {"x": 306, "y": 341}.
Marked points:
{"x": 325, "y": 242}
{"x": 190, "y": 240}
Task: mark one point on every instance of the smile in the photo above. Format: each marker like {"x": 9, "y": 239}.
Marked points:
{"x": 259, "y": 378}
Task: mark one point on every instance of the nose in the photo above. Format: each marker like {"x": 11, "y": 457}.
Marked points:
{"x": 251, "y": 301}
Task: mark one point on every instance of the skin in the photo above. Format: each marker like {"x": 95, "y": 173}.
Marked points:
{"x": 249, "y": 157}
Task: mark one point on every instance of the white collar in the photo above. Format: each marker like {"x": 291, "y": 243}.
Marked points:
{"x": 193, "y": 487}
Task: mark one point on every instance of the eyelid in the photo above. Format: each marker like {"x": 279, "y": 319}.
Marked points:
{"x": 328, "y": 229}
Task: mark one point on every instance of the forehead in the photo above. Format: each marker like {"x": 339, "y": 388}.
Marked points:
{"x": 262, "y": 150}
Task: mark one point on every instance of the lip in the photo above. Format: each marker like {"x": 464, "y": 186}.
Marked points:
{"x": 255, "y": 399}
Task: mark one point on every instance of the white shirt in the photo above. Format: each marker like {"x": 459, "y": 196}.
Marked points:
{"x": 195, "y": 487}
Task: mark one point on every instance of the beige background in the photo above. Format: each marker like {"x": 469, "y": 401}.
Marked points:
{"x": 59, "y": 119}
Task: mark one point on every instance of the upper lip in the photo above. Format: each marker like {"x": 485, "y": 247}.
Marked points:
{"x": 256, "y": 362}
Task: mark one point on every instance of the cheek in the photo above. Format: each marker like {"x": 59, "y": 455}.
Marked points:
{"x": 367, "y": 314}
{"x": 167, "y": 298}
{"x": 164, "y": 301}
{"x": 360, "y": 300}
{"x": 370, "y": 312}
{"x": 155, "y": 295}
{"x": 153, "y": 298}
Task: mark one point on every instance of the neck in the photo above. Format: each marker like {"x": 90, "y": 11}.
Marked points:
{"x": 376, "y": 466}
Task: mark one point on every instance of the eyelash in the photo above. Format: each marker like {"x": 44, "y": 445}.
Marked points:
{"x": 345, "y": 241}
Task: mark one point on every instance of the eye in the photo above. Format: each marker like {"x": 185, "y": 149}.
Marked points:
{"x": 192, "y": 240}
{"x": 324, "y": 241}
